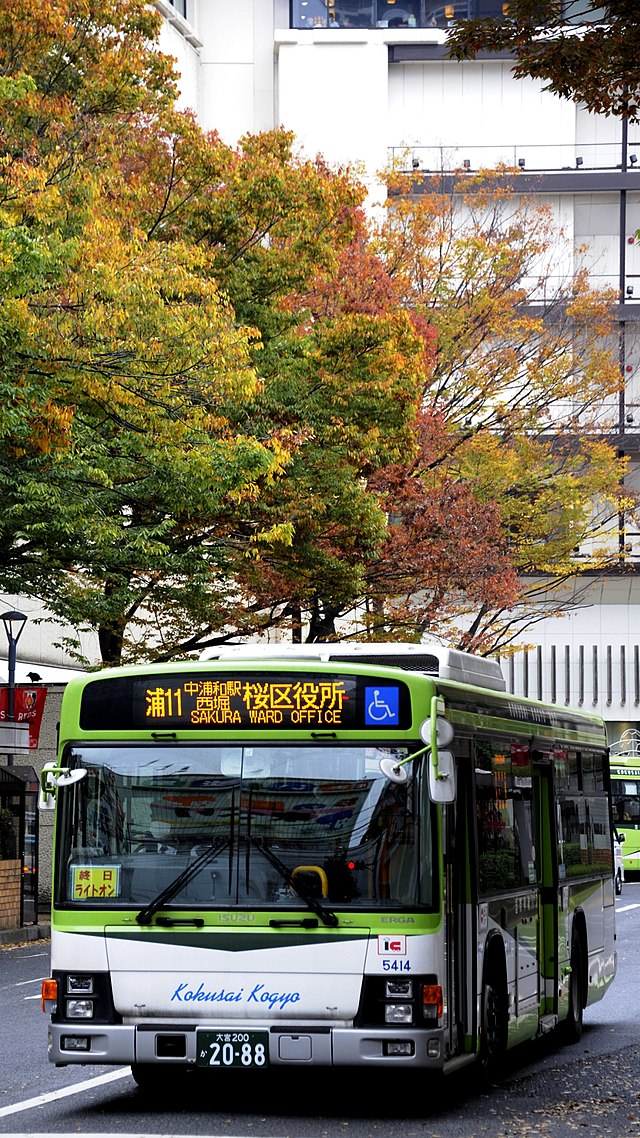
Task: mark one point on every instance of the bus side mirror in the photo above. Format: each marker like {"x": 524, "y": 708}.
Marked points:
{"x": 442, "y": 778}
{"x": 438, "y": 732}
{"x": 52, "y": 776}
{"x": 46, "y": 794}
{"x": 435, "y": 732}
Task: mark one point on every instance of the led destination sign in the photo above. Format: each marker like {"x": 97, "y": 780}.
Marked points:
{"x": 168, "y": 701}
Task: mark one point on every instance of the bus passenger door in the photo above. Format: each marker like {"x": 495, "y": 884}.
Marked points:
{"x": 458, "y": 824}
{"x": 520, "y": 912}
{"x": 548, "y": 888}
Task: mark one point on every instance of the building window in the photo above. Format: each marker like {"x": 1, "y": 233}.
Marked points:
{"x": 180, "y": 7}
{"x": 389, "y": 13}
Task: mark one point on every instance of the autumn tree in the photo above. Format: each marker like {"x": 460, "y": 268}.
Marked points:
{"x": 510, "y": 450}
{"x": 312, "y": 585}
{"x": 506, "y": 456}
{"x": 160, "y": 381}
{"x": 341, "y": 385}
{"x": 121, "y": 473}
{"x": 518, "y": 405}
{"x": 587, "y": 51}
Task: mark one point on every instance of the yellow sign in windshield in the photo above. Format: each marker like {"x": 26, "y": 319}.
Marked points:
{"x": 95, "y": 881}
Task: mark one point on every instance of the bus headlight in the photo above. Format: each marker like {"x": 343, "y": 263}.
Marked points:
{"x": 398, "y": 1013}
{"x": 79, "y": 1009}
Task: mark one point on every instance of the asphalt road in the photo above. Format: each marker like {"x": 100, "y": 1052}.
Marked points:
{"x": 591, "y": 1089}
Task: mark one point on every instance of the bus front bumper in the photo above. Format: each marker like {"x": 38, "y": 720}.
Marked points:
{"x": 175, "y": 1045}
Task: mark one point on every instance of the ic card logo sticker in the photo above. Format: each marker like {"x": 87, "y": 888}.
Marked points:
{"x": 392, "y": 945}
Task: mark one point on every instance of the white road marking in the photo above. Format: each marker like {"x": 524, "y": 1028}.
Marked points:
{"x": 64, "y": 1092}
{"x": 21, "y": 983}
{"x": 627, "y": 908}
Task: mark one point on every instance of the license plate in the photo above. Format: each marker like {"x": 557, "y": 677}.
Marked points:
{"x": 232, "y": 1049}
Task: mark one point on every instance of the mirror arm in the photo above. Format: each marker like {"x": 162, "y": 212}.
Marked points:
{"x": 415, "y": 755}
{"x": 53, "y": 776}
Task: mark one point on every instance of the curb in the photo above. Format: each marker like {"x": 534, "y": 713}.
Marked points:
{"x": 26, "y": 933}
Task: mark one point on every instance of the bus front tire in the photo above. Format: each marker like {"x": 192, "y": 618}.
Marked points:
{"x": 145, "y": 1075}
{"x": 572, "y": 1026}
{"x": 494, "y": 1027}
{"x": 156, "y": 1077}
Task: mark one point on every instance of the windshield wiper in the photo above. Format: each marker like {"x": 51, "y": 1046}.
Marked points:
{"x": 327, "y": 916}
{"x": 146, "y": 915}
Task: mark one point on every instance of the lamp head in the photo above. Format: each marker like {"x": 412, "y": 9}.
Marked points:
{"x": 13, "y": 622}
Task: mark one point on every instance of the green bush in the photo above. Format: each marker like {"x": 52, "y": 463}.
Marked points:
{"x": 498, "y": 870}
{"x": 8, "y": 844}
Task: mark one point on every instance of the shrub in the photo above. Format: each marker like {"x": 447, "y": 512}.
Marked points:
{"x": 8, "y": 843}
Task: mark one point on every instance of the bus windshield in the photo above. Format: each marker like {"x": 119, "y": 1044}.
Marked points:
{"x": 216, "y": 826}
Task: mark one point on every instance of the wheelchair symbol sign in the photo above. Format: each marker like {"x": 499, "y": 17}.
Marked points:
{"x": 381, "y": 707}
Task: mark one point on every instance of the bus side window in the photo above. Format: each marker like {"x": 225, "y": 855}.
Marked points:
{"x": 505, "y": 818}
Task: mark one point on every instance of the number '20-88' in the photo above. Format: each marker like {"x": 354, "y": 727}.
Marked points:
{"x": 396, "y": 966}
{"x": 223, "y": 1055}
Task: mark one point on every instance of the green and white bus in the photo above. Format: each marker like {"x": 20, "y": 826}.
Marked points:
{"x": 624, "y": 765}
{"x": 323, "y": 856}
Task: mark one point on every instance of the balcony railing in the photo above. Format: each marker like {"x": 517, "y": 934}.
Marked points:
{"x": 531, "y": 159}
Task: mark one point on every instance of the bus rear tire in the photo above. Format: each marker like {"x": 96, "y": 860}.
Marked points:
{"x": 618, "y": 883}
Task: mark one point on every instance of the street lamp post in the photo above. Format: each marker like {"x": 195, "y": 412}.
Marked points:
{"x": 13, "y": 622}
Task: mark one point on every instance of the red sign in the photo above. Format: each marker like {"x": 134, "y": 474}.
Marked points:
{"x": 28, "y": 706}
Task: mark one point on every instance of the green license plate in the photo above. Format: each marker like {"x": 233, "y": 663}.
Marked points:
{"x": 232, "y": 1049}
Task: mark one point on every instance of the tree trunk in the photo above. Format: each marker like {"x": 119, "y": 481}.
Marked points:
{"x": 322, "y": 624}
